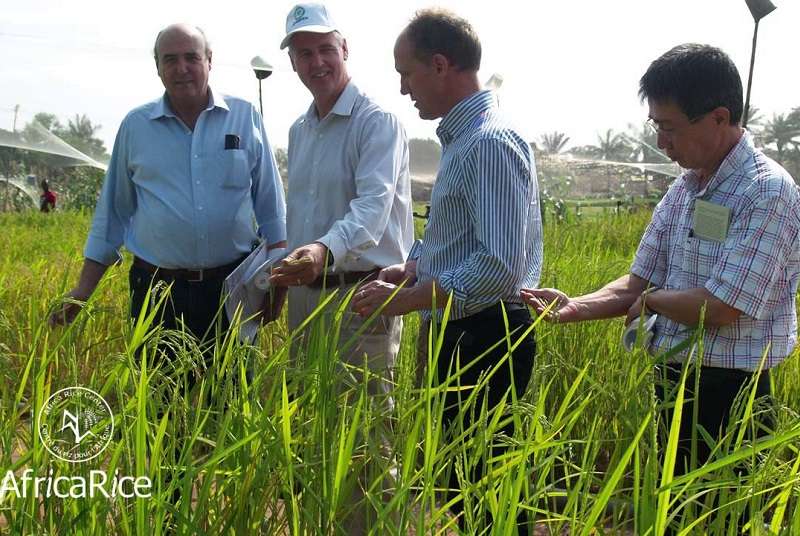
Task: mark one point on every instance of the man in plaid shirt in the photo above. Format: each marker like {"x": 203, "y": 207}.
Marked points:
{"x": 723, "y": 240}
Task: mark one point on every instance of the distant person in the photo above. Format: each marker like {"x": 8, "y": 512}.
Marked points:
{"x": 47, "y": 201}
{"x": 483, "y": 240}
{"x": 189, "y": 174}
{"x": 349, "y": 196}
{"x": 724, "y": 237}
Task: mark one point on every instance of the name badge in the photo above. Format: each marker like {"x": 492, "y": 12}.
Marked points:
{"x": 710, "y": 221}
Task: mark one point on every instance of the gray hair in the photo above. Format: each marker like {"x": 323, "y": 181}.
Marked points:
{"x": 171, "y": 27}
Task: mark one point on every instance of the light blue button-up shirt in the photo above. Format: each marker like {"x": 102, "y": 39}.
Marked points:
{"x": 349, "y": 186}
{"x": 178, "y": 198}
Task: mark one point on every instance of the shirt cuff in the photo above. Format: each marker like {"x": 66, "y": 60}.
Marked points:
{"x": 654, "y": 277}
{"x": 273, "y": 231}
{"x": 101, "y": 251}
{"x": 416, "y": 249}
{"x": 458, "y": 307}
{"x": 738, "y": 299}
{"x": 336, "y": 247}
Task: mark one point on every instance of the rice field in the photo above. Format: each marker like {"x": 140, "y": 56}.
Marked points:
{"x": 273, "y": 444}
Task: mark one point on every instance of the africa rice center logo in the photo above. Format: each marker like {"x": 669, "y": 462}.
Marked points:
{"x": 75, "y": 424}
{"x": 299, "y": 15}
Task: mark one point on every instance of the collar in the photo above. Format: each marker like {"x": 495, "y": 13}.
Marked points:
{"x": 163, "y": 109}
{"x": 736, "y": 158}
{"x": 344, "y": 104}
{"x": 464, "y": 115}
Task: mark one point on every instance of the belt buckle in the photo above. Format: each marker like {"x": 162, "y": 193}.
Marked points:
{"x": 192, "y": 279}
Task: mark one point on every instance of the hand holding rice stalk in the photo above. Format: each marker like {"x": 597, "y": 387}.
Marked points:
{"x": 301, "y": 266}
{"x": 301, "y": 261}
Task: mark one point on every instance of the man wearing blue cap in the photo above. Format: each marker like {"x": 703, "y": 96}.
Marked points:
{"x": 349, "y": 196}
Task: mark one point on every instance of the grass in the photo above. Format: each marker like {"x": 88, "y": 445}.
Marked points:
{"x": 284, "y": 451}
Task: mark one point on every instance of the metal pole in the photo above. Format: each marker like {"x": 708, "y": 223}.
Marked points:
{"x": 750, "y": 77}
{"x": 260, "y": 102}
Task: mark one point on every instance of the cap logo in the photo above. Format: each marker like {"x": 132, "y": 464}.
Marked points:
{"x": 299, "y": 15}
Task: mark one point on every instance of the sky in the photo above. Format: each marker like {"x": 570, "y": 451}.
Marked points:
{"x": 567, "y": 65}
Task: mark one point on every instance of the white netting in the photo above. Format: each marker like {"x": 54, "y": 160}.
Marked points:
{"x": 19, "y": 130}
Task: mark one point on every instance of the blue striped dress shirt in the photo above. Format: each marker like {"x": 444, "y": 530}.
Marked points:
{"x": 483, "y": 240}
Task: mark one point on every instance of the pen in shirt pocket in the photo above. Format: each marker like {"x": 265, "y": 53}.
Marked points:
{"x": 231, "y": 141}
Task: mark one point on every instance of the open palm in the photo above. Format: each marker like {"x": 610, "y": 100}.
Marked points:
{"x": 563, "y": 310}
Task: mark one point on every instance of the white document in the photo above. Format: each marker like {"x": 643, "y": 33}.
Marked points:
{"x": 629, "y": 335}
{"x": 247, "y": 287}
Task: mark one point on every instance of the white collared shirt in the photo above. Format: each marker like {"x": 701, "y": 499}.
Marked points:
{"x": 349, "y": 186}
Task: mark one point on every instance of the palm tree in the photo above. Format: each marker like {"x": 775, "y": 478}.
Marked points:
{"x": 613, "y": 146}
{"x": 554, "y": 142}
{"x": 80, "y": 132}
{"x": 754, "y": 118}
{"x": 780, "y": 131}
{"x": 644, "y": 144}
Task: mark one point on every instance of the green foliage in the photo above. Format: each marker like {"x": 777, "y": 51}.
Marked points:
{"x": 283, "y": 452}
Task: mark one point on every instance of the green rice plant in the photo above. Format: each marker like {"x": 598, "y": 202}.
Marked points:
{"x": 279, "y": 437}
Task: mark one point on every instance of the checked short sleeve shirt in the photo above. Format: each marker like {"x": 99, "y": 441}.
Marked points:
{"x": 755, "y": 269}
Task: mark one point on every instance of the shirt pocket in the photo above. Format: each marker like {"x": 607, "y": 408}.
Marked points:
{"x": 235, "y": 169}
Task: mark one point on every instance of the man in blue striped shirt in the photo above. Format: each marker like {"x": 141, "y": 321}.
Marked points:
{"x": 483, "y": 241}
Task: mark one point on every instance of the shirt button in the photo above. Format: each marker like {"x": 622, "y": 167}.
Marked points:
{"x": 197, "y": 156}
{"x": 197, "y": 182}
{"x": 200, "y": 208}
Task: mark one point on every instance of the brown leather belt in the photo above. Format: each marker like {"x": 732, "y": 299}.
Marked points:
{"x": 344, "y": 278}
{"x": 191, "y": 276}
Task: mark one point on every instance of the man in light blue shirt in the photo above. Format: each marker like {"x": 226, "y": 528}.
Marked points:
{"x": 349, "y": 204}
{"x": 189, "y": 174}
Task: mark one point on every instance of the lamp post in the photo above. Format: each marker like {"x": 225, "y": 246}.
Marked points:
{"x": 759, "y": 9}
{"x": 262, "y": 69}
{"x": 494, "y": 82}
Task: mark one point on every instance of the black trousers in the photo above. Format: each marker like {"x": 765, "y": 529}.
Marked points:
{"x": 471, "y": 337}
{"x": 194, "y": 305}
{"x": 717, "y": 392}
{"x": 718, "y": 388}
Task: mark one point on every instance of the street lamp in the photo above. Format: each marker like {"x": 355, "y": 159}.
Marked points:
{"x": 494, "y": 82}
{"x": 262, "y": 69}
{"x": 759, "y": 9}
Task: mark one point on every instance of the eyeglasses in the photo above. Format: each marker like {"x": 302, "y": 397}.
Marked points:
{"x": 658, "y": 129}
